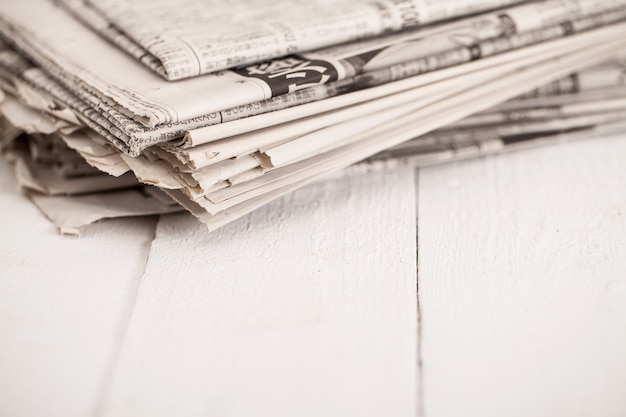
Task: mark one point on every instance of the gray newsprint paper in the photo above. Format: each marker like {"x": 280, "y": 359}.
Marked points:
{"x": 135, "y": 108}
{"x": 186, "y": 38}
{"x": 96, "y": 125}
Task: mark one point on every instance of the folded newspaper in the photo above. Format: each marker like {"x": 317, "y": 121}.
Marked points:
{"x": 118, "y": 108}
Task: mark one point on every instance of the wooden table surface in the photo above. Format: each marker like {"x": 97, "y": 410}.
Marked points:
{"x": 489, "y": 287}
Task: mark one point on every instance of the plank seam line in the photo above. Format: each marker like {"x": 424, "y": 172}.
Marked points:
{"x": 420, "y": 368}
{"x": 122, "y": 330}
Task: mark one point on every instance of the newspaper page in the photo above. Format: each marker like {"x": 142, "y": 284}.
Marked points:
{"x": 434, "y": 112}
{"x": 245, "y": 31}
{"x": 132, "y": 121}
{"x": 85, "y": 62}
{"x": 487, "y": 96}
{"x": 509, "y": 60}
{"x": 237, "y": 202}
{"x": 433, "y": 149}
{"x": 32, "y": 71}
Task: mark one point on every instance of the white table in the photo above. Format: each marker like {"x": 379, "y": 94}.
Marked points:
{"x": 490, "y": 287}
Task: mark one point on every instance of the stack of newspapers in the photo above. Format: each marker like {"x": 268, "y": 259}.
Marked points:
{"x": 130, "y": 107}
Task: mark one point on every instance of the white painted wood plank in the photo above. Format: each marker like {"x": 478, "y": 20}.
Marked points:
{"x": 522, "y": 283}
{"x": 62, "y": 301}
{"x": 306, "y": 307}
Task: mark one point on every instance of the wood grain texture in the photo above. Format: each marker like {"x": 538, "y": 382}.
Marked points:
{"x": 522, "y": 283}
{"x": 62, "y": 301}
{"x": 306, "y": 307}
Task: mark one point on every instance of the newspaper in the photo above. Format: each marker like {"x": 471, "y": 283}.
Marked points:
{"x": 71, "y": 213}
{"x": 82, "y": 117}
{"x": 258, "y": 189}
{"x": 134, "y": 105}
{"x": 68, "y": 191}
{"x": 379, "y": 139}
{"x": 404, "y": 102}
{"x": 171, "y": 37}
{"x": 436, "y": 149}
